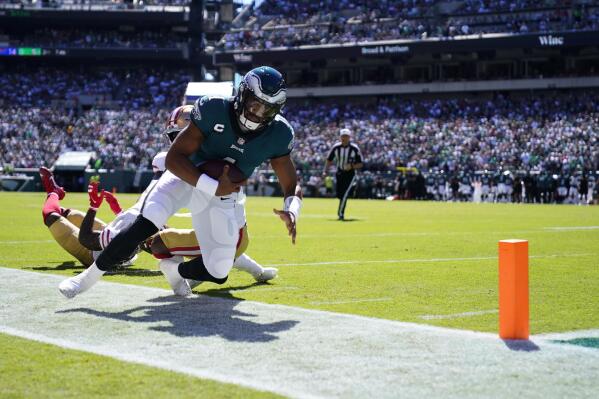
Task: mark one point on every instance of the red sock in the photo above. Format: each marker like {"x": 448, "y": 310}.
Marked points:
{"x": 52, "y": 205}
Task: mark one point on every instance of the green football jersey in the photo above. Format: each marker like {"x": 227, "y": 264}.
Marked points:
{"x": 223, "y": 139}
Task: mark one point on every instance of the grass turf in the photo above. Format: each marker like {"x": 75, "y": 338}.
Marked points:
{"x": 398, "y": 260}
{"x": 31, "y": 369}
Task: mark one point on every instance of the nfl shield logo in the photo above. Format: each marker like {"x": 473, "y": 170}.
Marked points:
{"x": 241, "y": 141}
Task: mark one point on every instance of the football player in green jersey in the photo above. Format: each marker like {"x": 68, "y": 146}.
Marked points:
{"x": 245, "y": 130}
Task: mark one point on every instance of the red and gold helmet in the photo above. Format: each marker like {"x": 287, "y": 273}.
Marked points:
{"x": 177, "y": 121}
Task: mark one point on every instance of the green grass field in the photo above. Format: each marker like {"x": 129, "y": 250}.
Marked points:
{"x": 421, "y": 262}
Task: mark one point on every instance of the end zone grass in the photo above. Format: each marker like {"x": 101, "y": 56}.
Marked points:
{"x": 423, "y": 262}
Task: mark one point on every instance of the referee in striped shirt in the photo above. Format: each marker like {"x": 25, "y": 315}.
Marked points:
{"x": 347, "y": 158}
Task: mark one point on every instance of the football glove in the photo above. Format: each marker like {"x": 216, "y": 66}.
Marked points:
{"x": 95, "y": 198}
{"x": 115, "y": 207}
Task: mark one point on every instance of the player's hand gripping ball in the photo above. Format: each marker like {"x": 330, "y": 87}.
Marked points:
{"x": 229, "y": 177}
{"x": 214, "y": 168}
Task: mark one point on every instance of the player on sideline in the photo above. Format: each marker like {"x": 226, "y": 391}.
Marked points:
{"x": 245, "y": 130}
{"x": 348, "y": 159}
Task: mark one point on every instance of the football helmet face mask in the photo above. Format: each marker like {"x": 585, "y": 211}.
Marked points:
{"x": 177, "y": 121}
{"x": 260, "y": 97}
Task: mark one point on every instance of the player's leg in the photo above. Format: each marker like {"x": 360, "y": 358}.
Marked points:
{"x": 343, "y": 202}
{"x": 183, "y": 242}
{"x": 65, "y": 233}
{"x": 168, "y": 195}
{"x": 75, "y": 216}
{"x": 341, "y": 189}
{"x": 49, "y": 183}
{"x": 245, "y": 263}
{"x": 217, "y": 230}
{"x": 118, "y": 251}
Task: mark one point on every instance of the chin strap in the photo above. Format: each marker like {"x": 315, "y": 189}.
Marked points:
{"x": 248, "y": 124}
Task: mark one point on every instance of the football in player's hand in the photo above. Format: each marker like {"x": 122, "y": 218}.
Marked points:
{"x": 214, "y": 169}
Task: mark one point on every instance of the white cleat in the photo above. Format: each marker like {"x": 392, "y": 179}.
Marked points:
{"x": 268, "y": 273}
{"x": 69, "y": 287}
{"x": 81, "y": 282}
{"x": 170, "y": 269}
{"x": 193, "y": 283}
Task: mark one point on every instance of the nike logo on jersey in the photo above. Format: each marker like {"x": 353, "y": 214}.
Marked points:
{"x": 219, "y": 127}
{"x": 233, "y": 146}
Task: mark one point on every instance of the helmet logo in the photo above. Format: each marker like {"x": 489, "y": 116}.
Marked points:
{"x": 255, "y": 84}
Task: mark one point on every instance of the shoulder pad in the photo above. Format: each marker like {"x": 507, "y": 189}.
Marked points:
{"x": 281, "y": 119}
{"x": 159, "y": 162}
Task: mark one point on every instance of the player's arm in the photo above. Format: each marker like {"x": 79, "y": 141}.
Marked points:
{"x": 177, "y": 158}
{"x": 177, "y": 161}
{"x": 329, "y": 161}
{"x": 327, "y": 165}
{"x": 358, "y": 164}
{"x": 285, "y": 171}
{"x": 89, "y": 238}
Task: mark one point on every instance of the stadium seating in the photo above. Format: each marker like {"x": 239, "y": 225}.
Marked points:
{"x": 293, "y": 24}
{"x": 551, "y": 133}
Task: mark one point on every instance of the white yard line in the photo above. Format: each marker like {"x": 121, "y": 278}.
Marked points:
{"x": 268, "y": 288}
{"x": 2, "y": 242}
{"x": 572, "y": 228}
{"x": 430, "y": 260}
{"x": 183, "y": 215}
{"x": 457, "y": 315}
{"x": 291, "y": 351}
{"x": 351, "y": 301}
{"x": 423, "y": 234}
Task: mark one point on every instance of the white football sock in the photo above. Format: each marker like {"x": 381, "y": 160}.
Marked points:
{"x": 247, "y": 264}
{"x": 81, "y": 282}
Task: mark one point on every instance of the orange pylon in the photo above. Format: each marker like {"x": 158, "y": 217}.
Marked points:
{"x": 513, "y": 289}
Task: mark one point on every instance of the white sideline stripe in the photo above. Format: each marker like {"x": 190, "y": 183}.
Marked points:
{"x": 418, "y": 234}
{"x": 572, "y": 228}
{"x": 292, "y": 351}
{"x": 268, "y": 288}
{"x": 351, "y": 301}
{"x": 268, "y": 214}
{"x": 25, "y": 242}
{"x": 457, "y": 315}
{"x": 432, "y": 260}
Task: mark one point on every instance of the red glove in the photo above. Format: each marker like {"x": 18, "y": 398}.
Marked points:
{"x": 95, "y": 198}
{"x": 115, "y": 207}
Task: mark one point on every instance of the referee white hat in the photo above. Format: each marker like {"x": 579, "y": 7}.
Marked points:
{"x": 344, "y": 132}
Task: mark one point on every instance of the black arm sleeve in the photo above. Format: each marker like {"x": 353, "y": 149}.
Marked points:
{"x": 89, "y": 238}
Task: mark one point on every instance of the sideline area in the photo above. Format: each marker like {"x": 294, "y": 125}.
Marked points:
{"x": 294, "y": 351}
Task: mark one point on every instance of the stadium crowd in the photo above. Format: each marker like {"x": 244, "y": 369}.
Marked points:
{"x": 108, "y": 4}
{"x": 40, "y": 116}
{"x": 95, "y": 38}
{"x": 457, "y": 137}
{"x": 132, "y": 88}
{"x": 297, "y": 23}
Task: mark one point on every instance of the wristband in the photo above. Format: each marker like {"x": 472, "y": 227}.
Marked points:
{"x": 91, "y": 208}
{"x": 293, "y": 205}
{"x": 207, "y": 184}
